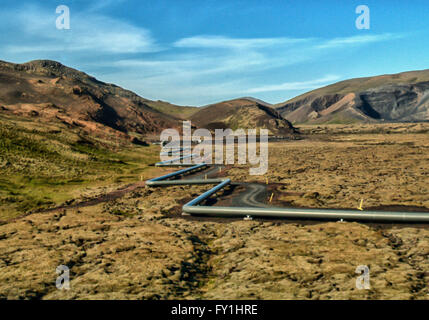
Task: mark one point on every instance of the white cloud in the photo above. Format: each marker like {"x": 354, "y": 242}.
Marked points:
{"x": 219, "y": 67}
{"x": 191, "y": 65}
{"x": 89, "y": 32}
{"x": 303, "y": 85}
{"x": 357, "y": 40}
{"x": 234, "y": 43}
{"x": 97, "y": 5}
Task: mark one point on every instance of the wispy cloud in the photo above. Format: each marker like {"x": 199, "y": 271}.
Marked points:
{"x": 97, "y": 5}
{"x": 197, "y": 65}
{"x": 357, "y": 40}
{"x": 234, "y": 43}
{"x": 89, "y": 32}
{"x": 210, "y": 68}
{"x": 302, "y": 85}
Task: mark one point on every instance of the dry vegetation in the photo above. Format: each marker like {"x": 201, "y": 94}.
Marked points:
{"x": 337, "y": 166}
{"x": 139, "y": 247}
{"x": 47, "y": 164}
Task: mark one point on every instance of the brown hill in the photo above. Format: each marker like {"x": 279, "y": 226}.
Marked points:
{"x": 50, "y": 91}
{"x": 398, "y": 98}
{"x": 242, "y": 113}
{"x": 179, "y": 112}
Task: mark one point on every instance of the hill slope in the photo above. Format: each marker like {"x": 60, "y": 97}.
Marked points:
{"x": 48, "y": 91}
{"x": 241, "y": 113}
{"x": 179, "y": 112}
{"x": 397, "y": 97}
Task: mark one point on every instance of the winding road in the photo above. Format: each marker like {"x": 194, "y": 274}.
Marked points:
{"x": 253, "y": 196}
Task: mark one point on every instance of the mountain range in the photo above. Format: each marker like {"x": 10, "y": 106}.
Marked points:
{"x": 401, "y": 97}
{"x": 45, "y": 90}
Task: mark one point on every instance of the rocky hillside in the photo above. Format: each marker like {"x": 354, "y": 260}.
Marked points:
{"x": 49, "y": 91}
{"x": 242, "y": 113}
{"x": 400, "y": 97}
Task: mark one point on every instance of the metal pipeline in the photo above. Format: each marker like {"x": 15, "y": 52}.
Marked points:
{"x": 207, "y": 194}
{"x": 174, "y": 151}
{"x": 183, "y": 182}
{"x": 162, "y": 180}
{"x": 175, "y": 165}
{"x": 193, "y": 207}
{"x": 170, "y": 162}
{"x": 318, "y": 214}
{"x": 173, "y": 174}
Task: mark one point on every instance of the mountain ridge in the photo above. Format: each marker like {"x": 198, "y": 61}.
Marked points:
{"x": 48, "y": 90}
{"x": 401, "y": 97}
{"x": 242, "y": 113}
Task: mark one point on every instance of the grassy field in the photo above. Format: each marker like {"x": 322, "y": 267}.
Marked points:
{"x": 43, "y": 165}
{"x": 179, "y": 112}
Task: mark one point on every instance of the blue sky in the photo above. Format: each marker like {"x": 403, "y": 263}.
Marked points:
{"x": 200, "y": 52}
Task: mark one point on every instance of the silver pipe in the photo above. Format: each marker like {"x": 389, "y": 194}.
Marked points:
{"x": 207, "y": 194}
{"x": 168, "y": 162}
{"x": 183, "y": 182}
{"x": 176, "y": 165}
{"x": 173, "y": 151}
{"x": 332, "y": 214}
{"x": 173, "y": 174}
